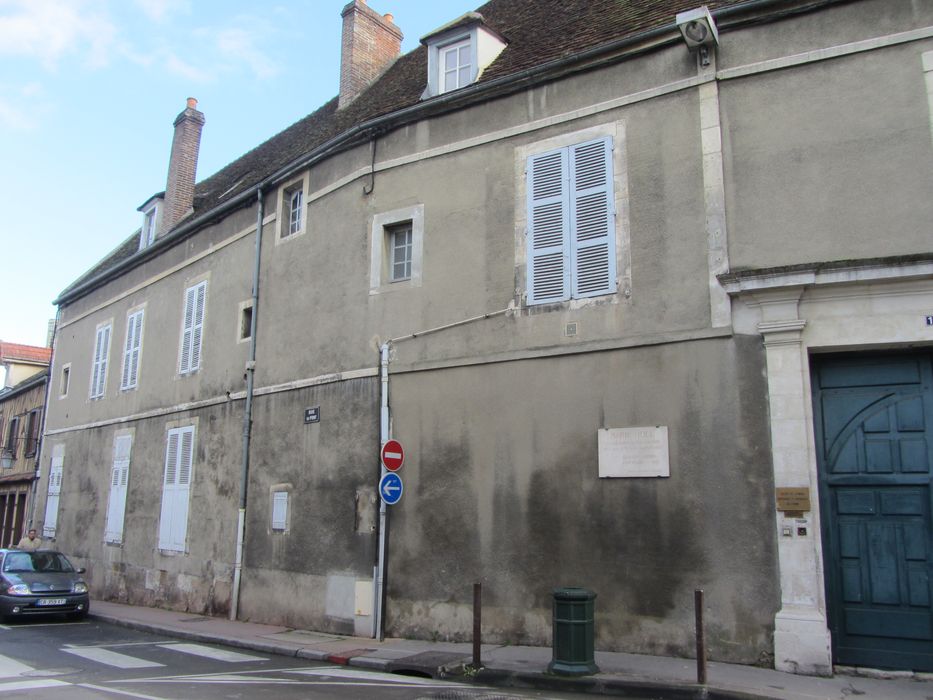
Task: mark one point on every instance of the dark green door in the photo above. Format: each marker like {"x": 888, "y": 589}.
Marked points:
{"x": 874, "y": 432}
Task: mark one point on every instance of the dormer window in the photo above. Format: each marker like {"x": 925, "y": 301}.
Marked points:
{"x": 459, "y": 52}
{"x": 152, "y": 213}
{"x": 149, "y": 228}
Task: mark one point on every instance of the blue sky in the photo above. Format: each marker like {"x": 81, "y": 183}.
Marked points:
{"x": 88, "y": 93}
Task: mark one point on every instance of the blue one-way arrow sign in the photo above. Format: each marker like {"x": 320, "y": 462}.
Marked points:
{"x": 390, "y": 488}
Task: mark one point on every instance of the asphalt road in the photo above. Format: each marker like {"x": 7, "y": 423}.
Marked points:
{"x": 60, "y": 660}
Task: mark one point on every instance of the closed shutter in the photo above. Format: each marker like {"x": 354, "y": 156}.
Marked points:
{"x": 548, "y": 250}
{"x": 99, "y": 371}
{"x": 195, "y": 299}
{"x": 279, "y": 510}
{"x": 173, "y": 522}
{"x": 591, "y": 216}
{"x": 119, "y": 477}
{"x": 134, "y": 328}
{"x": 55, "y": 489}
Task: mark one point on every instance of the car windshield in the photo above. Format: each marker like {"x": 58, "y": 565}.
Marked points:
{"x": 18, "y": 562}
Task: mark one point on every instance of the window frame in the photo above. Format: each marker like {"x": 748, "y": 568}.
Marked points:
{"x": 393, "y": 232}
{"x": 11, "y": 437}
{"x": 64, "y": 381}
{"x": 619, "y": 230}
{"x": 100, "y": 360}
{"x": 31, "y": 435}
{"x": 286, "y": 228}
{"x": 456, "y": 45}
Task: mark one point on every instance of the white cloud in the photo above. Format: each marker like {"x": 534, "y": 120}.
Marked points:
{"x": 161, "y": 10}
{"x": 184, "y": 69}
{"x": 48, "y": 30}
{"x": 239, "y": 45}
{"x": 21, "y": 107}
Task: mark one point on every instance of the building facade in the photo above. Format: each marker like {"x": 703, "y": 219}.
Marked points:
{"x": 21, "y": 410}
{"x": 648, "y": 308}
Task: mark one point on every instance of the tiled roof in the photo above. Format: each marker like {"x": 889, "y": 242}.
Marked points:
{"x": 30, "y": 354}
{"x": 537, "y": 32}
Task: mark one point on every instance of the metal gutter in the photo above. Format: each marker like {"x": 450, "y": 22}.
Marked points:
{"x": 588, "y": 59}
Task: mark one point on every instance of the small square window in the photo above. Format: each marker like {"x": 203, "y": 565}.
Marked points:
{"x": 400, "y": 251}
{"x": 65, "y": 381}
{"x": 246, "y": 323}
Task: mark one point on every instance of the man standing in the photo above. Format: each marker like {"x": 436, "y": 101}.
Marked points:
{"x": 30, "y": 541}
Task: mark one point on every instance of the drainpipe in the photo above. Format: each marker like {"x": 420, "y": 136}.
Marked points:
{"x": 247, "y": 417}
{"x": 379, "y": 622}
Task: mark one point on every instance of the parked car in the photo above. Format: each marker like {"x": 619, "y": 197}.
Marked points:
{"x": 42, "y": 582}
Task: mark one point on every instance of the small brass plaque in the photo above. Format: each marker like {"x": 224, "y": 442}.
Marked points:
{"x": 793, "y": 500}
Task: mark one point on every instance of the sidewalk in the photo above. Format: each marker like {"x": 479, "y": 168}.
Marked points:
{"x": 516, "y": 666}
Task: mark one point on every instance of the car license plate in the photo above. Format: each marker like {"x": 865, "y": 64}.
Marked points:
{"x": 50, "y": 601}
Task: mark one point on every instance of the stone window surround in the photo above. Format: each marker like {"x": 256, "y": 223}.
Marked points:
{"x": 801, "y": 311}
{"x": 283, "y": 217}
{"x": 380, "y": 278}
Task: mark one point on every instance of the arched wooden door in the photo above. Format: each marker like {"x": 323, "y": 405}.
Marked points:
{"x": 874, "y": 433}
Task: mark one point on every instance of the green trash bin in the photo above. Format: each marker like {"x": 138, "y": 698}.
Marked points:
{"x": 573, "y": 652}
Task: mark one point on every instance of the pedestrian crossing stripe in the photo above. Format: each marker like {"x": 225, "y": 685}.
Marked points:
{"x": 111, "y": 658}
{"x": 212, "y": 653}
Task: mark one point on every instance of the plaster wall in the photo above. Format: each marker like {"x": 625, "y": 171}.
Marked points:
{"x": 158, "y": 288}
{"x": 830, "y": 160}
{"x": 137, "y": 571}
{"x": 502, "y": 487}
{"x": 306, "y": 575}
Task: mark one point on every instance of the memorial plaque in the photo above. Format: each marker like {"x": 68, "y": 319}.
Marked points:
{"x": 793, "y": 500}
{"x": 633, "y": 452}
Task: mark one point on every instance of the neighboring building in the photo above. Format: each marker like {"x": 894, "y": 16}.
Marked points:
{"x": 654, "y": 314}
{"x": 21, "y": 411}
{"x": 22, "y": 361}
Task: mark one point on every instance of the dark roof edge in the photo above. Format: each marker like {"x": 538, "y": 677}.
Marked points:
{"x": 619, "y": 49}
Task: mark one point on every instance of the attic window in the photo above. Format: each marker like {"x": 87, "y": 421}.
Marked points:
{"x": 459, "y": 52}
{"x": 150, "y": 227}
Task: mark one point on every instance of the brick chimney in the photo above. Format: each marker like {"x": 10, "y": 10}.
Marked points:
{"x": 182, "y": 166}
{"x": 370, "y": 43}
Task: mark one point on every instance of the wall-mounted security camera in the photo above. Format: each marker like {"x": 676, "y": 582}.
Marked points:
{"x": 699, "y": 31}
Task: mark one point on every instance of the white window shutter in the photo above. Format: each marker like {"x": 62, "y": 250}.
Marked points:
{"x": 99, "y": 368}
{"x": 134, "y": 327}
{"x": 137, "y": 348}
{"x": 119, "y": 476}
{"x": 279, "y": 510}
{"x": 548, "y": 245}
{"x": 592, "y": 219}
{"x": 55, "y": 489}
{"x": 173, "y": 522}
{"x": 105, "y": 354}
{"x": 185, "y": 360}
{"x": 200, "y": 299}
{"x": 195, "y": 300}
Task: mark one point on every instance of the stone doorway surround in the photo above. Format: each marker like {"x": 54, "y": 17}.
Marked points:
{"x": 799, "y": 310}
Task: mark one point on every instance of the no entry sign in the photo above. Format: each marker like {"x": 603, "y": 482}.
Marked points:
{"x": 393, "y": 455}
